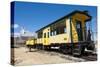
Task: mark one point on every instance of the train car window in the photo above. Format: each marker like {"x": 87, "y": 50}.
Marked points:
{"x": 77, "y": 24}
{"x": 65, "y": 30}
{"x": 55, "y": 32}
{"x": 48, "y": 34}
{"x": 39, "y": 35}
{"x": 52, "y": 33}
{"x": 44, "y": 35}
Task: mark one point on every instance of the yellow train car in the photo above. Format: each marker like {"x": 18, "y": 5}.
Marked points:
{"x": 31, "y": 43}
{"x": 68, "y": 33}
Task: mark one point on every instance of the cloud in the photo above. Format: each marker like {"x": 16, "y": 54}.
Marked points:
{"x": 15, "y": 26}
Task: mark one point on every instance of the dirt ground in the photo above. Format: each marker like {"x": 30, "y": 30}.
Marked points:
{"x": 23, "y": 57}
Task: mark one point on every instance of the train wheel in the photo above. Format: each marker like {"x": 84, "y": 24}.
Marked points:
{"x": 77, "y": 50}
{"x": 44, "y": 47}
{"x": 29, "y": 47}
{"x": 41, "y": 47}
{"x": 37, "y": 46}
{"x": 83, "y": 50}
{"x": 60, "y": 48}
{"x": 48, "y": 47}
{"x": 63, "y": 49}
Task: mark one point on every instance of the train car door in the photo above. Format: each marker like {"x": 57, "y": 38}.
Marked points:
{"x": 79, "y": 30}
{"x": 46, "y": 38}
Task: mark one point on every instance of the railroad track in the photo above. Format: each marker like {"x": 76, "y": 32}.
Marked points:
{"x": 87, "y": 56}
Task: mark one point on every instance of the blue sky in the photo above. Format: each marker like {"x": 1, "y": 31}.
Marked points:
{"x": 33, "y": 16}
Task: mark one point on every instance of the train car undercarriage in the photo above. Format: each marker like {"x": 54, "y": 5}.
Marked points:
{"x": 67, "y": 48}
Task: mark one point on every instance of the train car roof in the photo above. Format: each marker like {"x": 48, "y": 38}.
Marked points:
{"x": 66, "y": 16}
